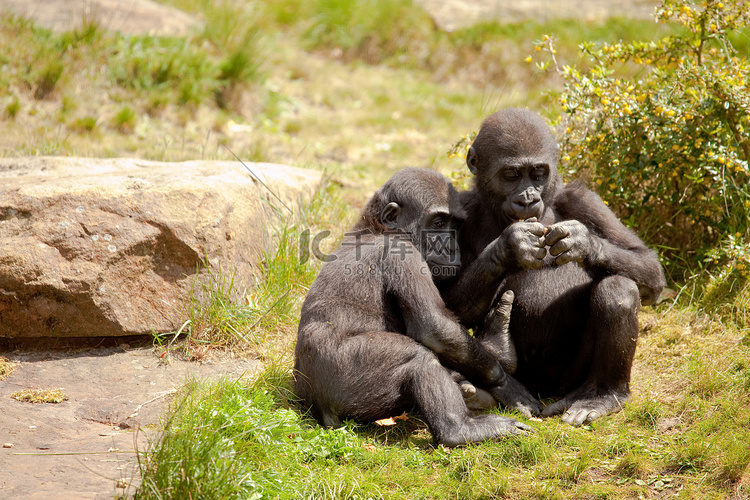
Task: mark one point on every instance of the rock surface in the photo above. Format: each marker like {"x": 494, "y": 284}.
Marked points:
{"x": 132, "y": 17}
{"x": 85, "y": 447}
{"x": 94, "y": 247}
{"x": 451, "y": 15}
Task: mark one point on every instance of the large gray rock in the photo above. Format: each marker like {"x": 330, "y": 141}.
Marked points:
{"x": 132, "y": 17}
{"x": 451, "y": 15}
{"x": 94, "y": 247}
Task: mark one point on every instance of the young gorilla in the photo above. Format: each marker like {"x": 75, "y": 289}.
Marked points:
{"x": 578, "y": 274}
{"x": 374, "y": 330}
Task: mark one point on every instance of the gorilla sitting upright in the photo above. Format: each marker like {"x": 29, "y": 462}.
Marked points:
{"x": 578, "y": 274}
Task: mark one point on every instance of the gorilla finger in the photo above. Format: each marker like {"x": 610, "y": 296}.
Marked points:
{"x": 570, "y": 256}
{"x": 533, "y": 227}
{"x": 523, "y": 427}
{"x": 555, "y": 408}
{"x": 576, "y": 418}
{"x": 593, "y": 415}
{"x": 523, "y": 410}
{"x": 467, "y": 388}
{"x": 517, "y": 430}
{"x": 537, "y": 229}
{"x": 564, "y": 259}
{"x": 555, "y": 233}
{"x": 532, "y": 406}
{"x": 560, "y": 247}
{"x": 506, "y": 300}
{"x": 482, "y": 400}
{"x": 532, "y": 412}
{"x": 536, "y": 408}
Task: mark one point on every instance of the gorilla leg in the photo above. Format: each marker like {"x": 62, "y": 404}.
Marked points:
{"x": 439, "y": 400}
{"x": 495, "y": 334}
{"x": 608, "y": 347}
{"x": 376, "y": 375}
{"x": 495, "y": 338}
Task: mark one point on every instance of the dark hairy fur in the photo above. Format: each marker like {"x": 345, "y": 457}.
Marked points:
{"x": 574, "y": 320}
{"x": 374, "y": 333}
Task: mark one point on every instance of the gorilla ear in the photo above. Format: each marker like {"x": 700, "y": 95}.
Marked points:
{"x": 471, "y": 160}
{"x": 389, "y": 215}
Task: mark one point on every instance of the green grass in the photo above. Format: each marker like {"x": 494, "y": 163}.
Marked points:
{"x": 397, "y": 93}
{"x": 12, "y": 108}
{"x": 85, "y": 124}
{"x": 52, "y": 396}
{"x": 124, "y": 120}
{"x": 258, "y": 443}
{"x": 6, "y": 367}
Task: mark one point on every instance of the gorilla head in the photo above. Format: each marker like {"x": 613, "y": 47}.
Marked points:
{"x": 420, "y": 205}
{"x": 514, "y": 160}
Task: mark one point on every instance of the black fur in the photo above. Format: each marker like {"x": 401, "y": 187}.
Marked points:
{"x": 374, "y": 330}
{"x": 578, "y": 274}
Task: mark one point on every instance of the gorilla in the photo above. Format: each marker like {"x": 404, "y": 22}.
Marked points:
{"x": 578, "y": 274}
{"x": 375, "y": 338}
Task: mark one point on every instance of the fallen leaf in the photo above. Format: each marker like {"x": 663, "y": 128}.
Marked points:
{"x": 391, "y": 420}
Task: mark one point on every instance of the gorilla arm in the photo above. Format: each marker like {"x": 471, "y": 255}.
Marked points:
{"x": 429, "y": 322}
{"x": 591, "y": 234}
{"x": 519, "y": 246}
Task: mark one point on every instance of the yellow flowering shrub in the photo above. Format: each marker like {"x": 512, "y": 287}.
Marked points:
{"x": 669, "y": 147}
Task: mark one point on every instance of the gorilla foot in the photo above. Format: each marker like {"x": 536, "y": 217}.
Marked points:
{"x": 482, "y": 428}
{"x": 514, "y": 396}
{"x": 480, "y": 400}
{"x": 475, "y": 397}
{"x": 585, "y": 405}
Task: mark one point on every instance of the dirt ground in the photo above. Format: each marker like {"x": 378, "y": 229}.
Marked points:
{"x": 84, "y": 448}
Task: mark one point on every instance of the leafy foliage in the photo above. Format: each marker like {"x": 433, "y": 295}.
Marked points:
{"x": 370, "y": 30}
{"x": 669, "y": 146}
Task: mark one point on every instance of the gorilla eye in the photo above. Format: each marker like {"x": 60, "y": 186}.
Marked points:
{"x": 511, "y": 174}
{"x": 439, "y": 222}
{"x": 539, "y": 172}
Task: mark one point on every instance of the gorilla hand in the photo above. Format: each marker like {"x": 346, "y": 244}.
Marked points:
{"x": 514, "y": 396}
{"x": 569, "y": 241}
{"x": 522, "y": 244}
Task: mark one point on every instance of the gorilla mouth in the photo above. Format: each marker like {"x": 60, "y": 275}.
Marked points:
{"x": 515, "y": 211}
{"x": 520, "y": 215}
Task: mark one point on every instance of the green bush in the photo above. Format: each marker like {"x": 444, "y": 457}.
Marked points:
{"x": 124, "y": 120}
{"x": 235, "y": 32}
{"x": 668, "y": 147}
{"x": 13, "y": 107}
{"x": 370, "y": 30}
{"x": 150, "y": 63}
{"x": 49, "y": 72}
